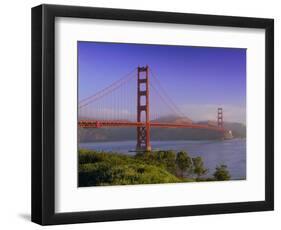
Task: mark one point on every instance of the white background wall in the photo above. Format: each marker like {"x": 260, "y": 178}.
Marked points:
{"x": 15, "y": 106}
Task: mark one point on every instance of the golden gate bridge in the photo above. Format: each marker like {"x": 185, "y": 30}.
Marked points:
{"x": 138, "y": 100}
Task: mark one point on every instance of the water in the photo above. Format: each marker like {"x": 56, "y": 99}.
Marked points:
{"x": 229, "y": 152}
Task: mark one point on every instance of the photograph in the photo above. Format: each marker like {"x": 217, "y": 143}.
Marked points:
{"x": 150, "y": 114}
{"x": 142, "y": 113}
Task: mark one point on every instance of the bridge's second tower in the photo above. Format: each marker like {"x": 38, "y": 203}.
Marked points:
{"x": 143, "y": 132}
{"x": 220, "y": 118}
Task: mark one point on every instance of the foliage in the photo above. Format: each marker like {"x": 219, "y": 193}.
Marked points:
{"x": 115, "y": 169}
{"x": 164, "y": 159}
{"x": 222, "y": 173}
{"x": 183, "y": 162}
{"x": 198, "y": 167}
{"x": 110, "y": 168}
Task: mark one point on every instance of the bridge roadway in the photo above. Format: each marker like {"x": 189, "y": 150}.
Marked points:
{"x": 116, "y": 123}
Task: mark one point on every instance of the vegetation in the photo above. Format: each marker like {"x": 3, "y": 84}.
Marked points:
{"x": 199, "y": 168}
{"x": 102, "y": 168}
{"x": 116, "y": 169}
{"x": 221, "y": 173}
{"x": 184, "y": 162}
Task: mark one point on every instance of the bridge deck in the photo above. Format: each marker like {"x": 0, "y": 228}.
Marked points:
{"x": 109, "y": 123}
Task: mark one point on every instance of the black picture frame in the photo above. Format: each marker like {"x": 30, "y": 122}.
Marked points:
{"x": 43, "y": 114}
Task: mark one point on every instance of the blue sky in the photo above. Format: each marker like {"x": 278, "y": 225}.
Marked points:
{"x": 198, "y": 79}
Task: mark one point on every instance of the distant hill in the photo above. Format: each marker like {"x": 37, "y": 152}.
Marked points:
{"x": 118, "y": 134}
{"x": 173, "y": 119}
{"x": 238, "y": 129}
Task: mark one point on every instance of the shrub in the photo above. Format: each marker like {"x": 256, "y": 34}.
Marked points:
{"x": 115, "y": 169}
{"x": 198, "y": 167}
{"x": 222, "y": 173}
{"x": 163, "y": 159}
{"x": 183, "y": 162}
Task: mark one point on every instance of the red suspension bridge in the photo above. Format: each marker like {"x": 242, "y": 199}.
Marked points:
{"x": 122, "y": 104}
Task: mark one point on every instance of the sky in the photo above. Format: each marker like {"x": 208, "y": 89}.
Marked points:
{"x": 198, "y": 79}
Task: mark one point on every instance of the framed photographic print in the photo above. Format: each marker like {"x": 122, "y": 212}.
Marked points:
{"x": 142, "y": 114}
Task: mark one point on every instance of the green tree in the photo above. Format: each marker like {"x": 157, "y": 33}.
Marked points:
{"x": 198, "y": 167}
{"x": 221, "y": 173}
{"x": 183, "y": 162}
{"x": 166, "y": 158}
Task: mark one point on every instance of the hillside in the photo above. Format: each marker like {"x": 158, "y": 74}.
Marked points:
{"x": 108, "y": 168}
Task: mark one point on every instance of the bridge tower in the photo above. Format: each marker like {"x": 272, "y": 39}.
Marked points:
{"x": 220, "y": 118}
{"x": 143, "y": 133}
